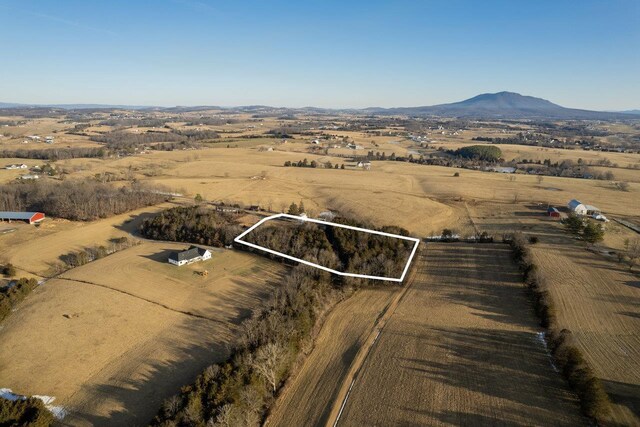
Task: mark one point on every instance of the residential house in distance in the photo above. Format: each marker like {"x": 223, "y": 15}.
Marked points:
{"x": 17, "y": 166}
{"x": 29, "y": 176}
{"x": 189, "y": 256}
{"x": 364, "y": 165}
{"x": 579, "y": 208}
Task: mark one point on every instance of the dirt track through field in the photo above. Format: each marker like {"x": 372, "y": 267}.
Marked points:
{"x": 461, "y": 348}
{"x": 308, "y": 399}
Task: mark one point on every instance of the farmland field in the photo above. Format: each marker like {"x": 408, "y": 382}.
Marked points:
{"x": 113, "y": 338}
{"x": 461, "y": 348}
{"x": 459, "y": 344}
{"x": 308, "y": 398}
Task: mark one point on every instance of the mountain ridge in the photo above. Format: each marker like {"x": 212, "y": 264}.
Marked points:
{"x": 499, "y": 105}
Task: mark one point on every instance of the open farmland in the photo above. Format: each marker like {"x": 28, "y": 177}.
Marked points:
{"x": 307, "y": 399}
{"x": 35, "y": 250}
{"x": 461, "y": 348}
{"x": 599, "y": 301}
{"x": 127, "y": 331}
{"x": 137, "y": 329}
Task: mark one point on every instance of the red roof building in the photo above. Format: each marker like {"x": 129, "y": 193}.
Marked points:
{"x": 28, "y": 217}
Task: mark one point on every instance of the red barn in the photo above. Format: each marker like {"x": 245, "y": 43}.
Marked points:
{"x": 28, "y": 217}
{"x": 553, "y": 212}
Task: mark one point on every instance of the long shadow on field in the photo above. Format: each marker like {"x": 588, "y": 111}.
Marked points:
{"x": 481, "y": 277}
{"x": 148, "y": 373}
{"x": 509, "y": 365}
{"x": 624, "y": 394}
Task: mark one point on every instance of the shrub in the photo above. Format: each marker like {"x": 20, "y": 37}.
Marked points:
{"x": 9, "y": 270}
{"x": 12, "y": 295}
{"x": 533, "y": 239}
{"x": 24, "y": 412}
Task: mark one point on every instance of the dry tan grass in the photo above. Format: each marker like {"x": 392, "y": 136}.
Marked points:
{"x": 461, "y": 349}
{"x": 599, "y": 301}
{"x": 308, "y": 398}
{"x": 595, "y": 297}
{"x": 112, "y": 339}
{"x": 35, "y": 249}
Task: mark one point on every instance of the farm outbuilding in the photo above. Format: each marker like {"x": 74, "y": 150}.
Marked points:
{"x": 28, "y": 217}
{"x": 579, "y": 208}
{"x": 189, "y": 256}
{"x": 553, "y": 212}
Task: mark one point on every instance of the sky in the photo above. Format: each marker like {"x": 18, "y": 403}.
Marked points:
{"x": 580, "y": 54}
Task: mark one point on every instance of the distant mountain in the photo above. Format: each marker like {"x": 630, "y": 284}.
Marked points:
{"x": 503, "y": 105}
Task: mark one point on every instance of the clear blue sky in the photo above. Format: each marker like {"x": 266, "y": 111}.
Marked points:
{"x": 581, "y": 53}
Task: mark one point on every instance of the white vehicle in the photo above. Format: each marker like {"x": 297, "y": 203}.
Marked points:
{"x": 600, "y": 217}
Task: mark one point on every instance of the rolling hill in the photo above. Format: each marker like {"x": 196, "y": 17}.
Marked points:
{"x": 504, "y": 105}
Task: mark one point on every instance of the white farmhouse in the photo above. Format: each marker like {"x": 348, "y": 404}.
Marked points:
{"x": 191, "y": 255}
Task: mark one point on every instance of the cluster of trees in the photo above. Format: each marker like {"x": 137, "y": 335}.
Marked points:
{"x": 336, "y": 247}
{"x": 193, "y": 224}
{"x": 381, "y": 156}
{"x": 589, "y": 231}
{"x": 129, "y": 121}
{"x": 240, "y": 390}
{"x": 631, "y": 252}
{"x": 13, "y": 293}
{"x": 566, "y": 168}
{"x": 312, "y": 164}
{"x": 488, "y": 153}
{"x": 87, "y": 255}
{"x": 56, "y": 153}
{"x": 24, "y": 412}
{"x": 568, "y": 357}
{"x": 122, "y": 140}
{"x": 78, "y": 200}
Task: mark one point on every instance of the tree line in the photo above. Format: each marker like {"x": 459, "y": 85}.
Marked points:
{"x": 56, "y": 153}
{"x": 193, "y": 224}
{"x": 78, "y": 200}
{"x": 312, "y": 164}
{"x": 567, "y": 355}
{"x": 240, "y": 390}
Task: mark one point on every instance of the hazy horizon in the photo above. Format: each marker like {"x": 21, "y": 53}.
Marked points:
{"x": 328, "y": 54}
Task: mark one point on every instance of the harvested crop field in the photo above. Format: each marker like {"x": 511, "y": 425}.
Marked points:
{"x": 599, "y": 301}
{"x": 308, "y": 397}
{"x": 461, "y": 348}
{"x": 112, "y": 339}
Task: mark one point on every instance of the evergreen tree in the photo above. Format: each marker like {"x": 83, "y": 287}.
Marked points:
{"x": 593, "y": 233}
{"x": 293, "y": 209}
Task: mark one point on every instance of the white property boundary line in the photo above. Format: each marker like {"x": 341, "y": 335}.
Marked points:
{"x": 330, "y": 270}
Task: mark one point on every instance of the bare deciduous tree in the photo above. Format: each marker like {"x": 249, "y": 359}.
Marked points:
{"x": 267, "y": 363}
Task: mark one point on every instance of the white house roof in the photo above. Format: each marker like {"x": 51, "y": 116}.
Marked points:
{"x": 591, "y": 208}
